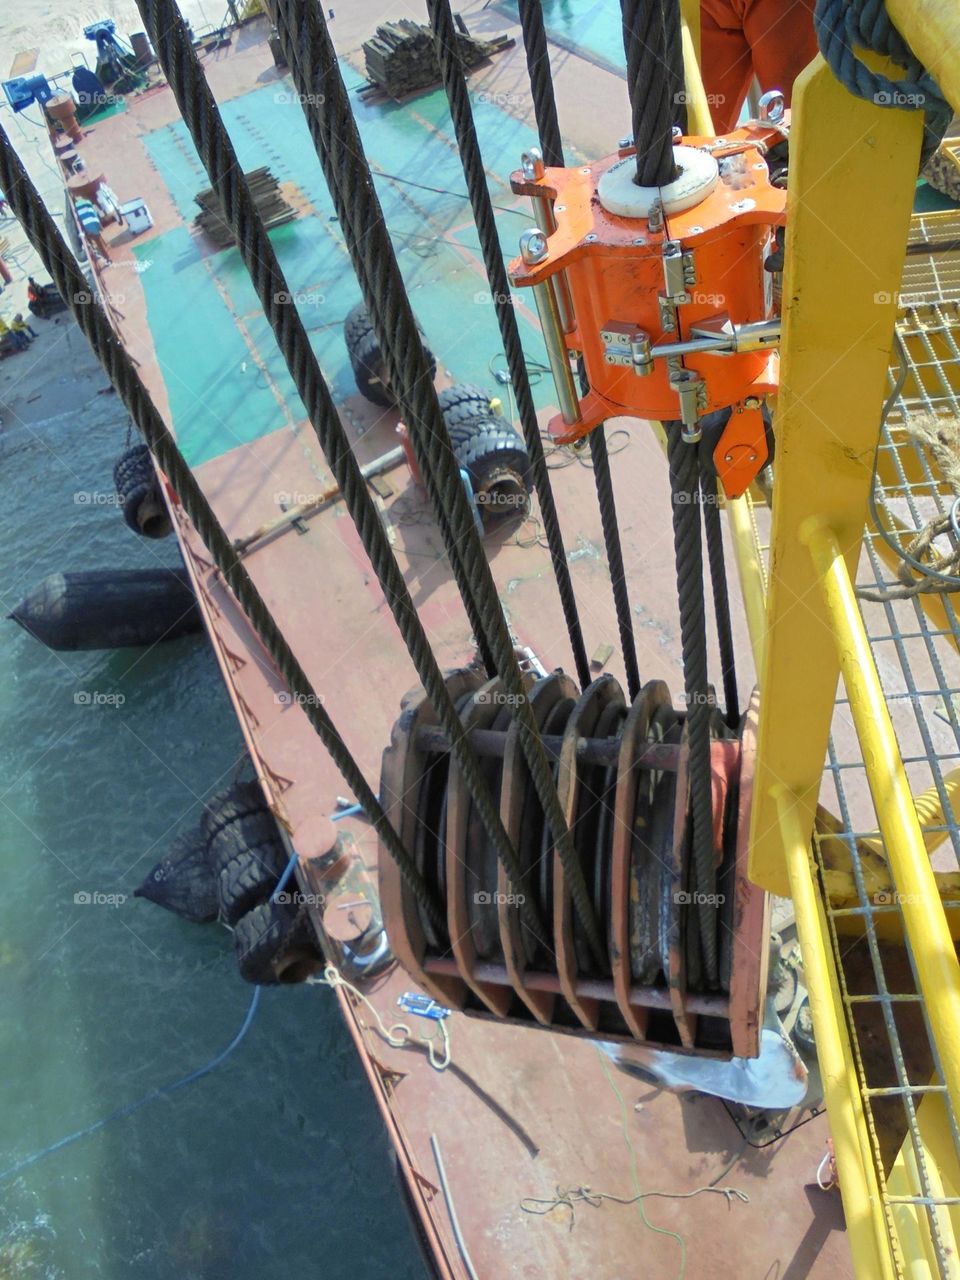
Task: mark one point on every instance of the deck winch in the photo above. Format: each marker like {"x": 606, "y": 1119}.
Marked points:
{"x": 662, "y": 290}
{"x": 622, "y": 775}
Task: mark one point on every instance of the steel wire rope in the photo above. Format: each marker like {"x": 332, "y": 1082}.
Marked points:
{"x": 306, "y": 44}
{"x": 551, "y": 146}
{"x": 651, "y": 38}
{"x": 199, "y": 110}
{"x": 451, "y": 71}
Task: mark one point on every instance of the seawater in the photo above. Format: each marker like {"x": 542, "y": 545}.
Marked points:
{"x": 274, "y": 1165}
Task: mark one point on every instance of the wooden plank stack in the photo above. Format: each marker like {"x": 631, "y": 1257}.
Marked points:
{"x": 273, "y": 208}
{"x": 400, "y": 57}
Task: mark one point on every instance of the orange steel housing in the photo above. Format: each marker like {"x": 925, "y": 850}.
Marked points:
{"x": 614, "y": 271}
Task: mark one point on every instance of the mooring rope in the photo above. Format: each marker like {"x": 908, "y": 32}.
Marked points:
{"x": 843, "y": 26}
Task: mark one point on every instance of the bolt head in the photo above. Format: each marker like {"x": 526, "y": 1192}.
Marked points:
{"x": 728, "y": 457}
{"x": 533, "y": 246}
{"x": 531, "y": 164}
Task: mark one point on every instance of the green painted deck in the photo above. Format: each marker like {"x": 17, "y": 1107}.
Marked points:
{"x": 232, "y": 390}
{"x": 590, "y": 28}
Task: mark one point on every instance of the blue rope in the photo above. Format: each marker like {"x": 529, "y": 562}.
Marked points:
{"x": 842, "y": 26}
{"x": 165, "y": 1090}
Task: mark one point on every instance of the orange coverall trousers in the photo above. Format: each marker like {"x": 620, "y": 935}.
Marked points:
{"x": 739, "y": 39}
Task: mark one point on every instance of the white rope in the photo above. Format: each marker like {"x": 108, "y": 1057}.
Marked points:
{"x": 397, "y": 1034}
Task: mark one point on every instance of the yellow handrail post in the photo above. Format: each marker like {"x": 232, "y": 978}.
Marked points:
{"x": 852, "y": 171}
{"x": 859, "y": 1187}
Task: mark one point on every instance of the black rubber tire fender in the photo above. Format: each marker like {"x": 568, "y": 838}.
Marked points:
{"x": 275, "y": 943}
{"x": 182, "y": 882}
{"x": 247, "y": 876}
{"x": 357, "y": 326}
{"x": 463, "y": 402}
{"x": 487, "y": 448}
{"x": 246, "y": 857}
{"x": 367, "y": 361}
{"x": 370, "y": 374}
{"x": 135, "y": 480}
{"x": 230, "y": 803}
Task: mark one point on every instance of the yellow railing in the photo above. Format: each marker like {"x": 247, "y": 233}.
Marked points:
{"x": 853, "y": 166}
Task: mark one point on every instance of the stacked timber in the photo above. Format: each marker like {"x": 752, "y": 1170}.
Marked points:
{"x": 265, "y": 189}
{"x": 401, "y": 58}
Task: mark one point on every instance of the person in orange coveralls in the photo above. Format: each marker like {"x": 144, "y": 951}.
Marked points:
{"x": 739, "y": 39}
